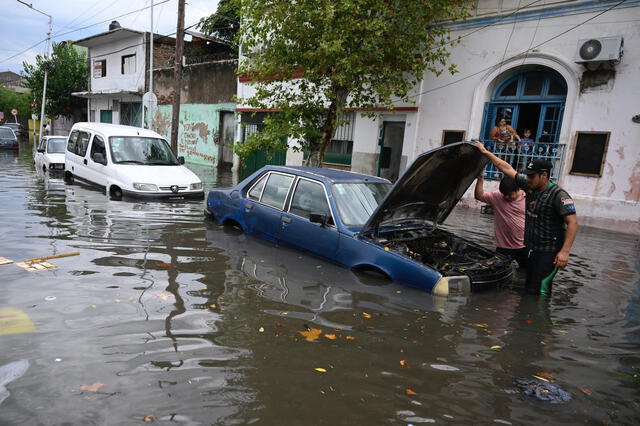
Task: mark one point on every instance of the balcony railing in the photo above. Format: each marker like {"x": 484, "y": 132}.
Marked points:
{"x": 519, "y": 154}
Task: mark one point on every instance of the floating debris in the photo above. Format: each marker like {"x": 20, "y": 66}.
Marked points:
{"x": 444, "y": 367}
{"x": 10, "y": 372}
{"x": 543, "y": 390}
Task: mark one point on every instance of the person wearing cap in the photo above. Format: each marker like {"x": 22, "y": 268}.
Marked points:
{"x": 551, "y": 223}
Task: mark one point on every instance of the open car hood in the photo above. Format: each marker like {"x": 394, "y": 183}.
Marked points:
{"x": 431, "y": 187}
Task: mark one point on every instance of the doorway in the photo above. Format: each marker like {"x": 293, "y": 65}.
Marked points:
{"x": 225, "y": 141}
{"x": 391, "y": 141}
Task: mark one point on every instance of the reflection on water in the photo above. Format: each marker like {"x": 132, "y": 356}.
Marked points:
{"x": 166, "y": 314}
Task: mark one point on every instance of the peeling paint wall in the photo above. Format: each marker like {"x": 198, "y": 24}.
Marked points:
{"x": 198, "y": 132}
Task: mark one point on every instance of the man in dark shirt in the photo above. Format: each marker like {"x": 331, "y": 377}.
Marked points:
{"x": 549, "y": 210}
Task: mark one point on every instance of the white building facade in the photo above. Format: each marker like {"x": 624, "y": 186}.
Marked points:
{"x": 118, "y": 69}
{"x": 521, "y": 59}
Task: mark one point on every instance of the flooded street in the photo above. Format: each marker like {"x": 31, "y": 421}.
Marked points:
{"x": 170, "y": 317}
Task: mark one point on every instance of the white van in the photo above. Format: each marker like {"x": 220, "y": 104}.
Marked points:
{"x": 128, "y": 161}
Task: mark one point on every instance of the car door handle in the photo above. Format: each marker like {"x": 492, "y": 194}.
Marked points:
{"x": 286, "y": 219}
{"x": 248, "y": 206}
{"x": 85, "y": 161}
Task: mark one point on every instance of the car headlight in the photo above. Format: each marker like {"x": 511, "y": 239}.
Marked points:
{"x": 195, "y": 186}
{"x": 145, "y": 187}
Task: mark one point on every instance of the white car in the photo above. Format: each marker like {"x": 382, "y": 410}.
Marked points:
{"x": 128, "y": 161}
{"x": 50, "y": 153}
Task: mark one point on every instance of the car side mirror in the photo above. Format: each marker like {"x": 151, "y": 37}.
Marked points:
{"x": 98, "y": 157}
{"x": 181, "y": 160}
{"x": 41, "y": 150}
{"x": 318, "y": 218}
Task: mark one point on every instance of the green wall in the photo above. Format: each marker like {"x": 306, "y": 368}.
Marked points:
{"x": 198, "y": 131}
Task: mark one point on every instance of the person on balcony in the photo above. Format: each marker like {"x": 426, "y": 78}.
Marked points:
{"x": 551, "y": 224}
{"x": 505, "y": 137}
{"x": 508, "y": 223}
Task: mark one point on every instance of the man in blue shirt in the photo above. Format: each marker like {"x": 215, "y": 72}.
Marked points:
{"x": 550, "y": 222}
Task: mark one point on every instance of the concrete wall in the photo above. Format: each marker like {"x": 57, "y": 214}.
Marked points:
{"x": 206, "y": 83}
{"x": 198, "y": 132}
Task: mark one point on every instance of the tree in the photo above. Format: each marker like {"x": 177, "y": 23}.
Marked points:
{"x": 10, "y": 99}
{"x": 68, "y": 72}
{"x": 350, "y": 54}
{"x": 223, "y": 24}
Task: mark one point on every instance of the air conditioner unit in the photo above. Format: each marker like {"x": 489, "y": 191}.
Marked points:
{"x": 599, "y": 49}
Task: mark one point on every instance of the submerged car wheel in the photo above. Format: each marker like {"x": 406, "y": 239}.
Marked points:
{"x": 68, "y": 177}
{"x": 115, "y": 193}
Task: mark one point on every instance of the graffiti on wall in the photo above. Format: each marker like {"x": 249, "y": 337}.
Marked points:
{"x": 198, "y": 132}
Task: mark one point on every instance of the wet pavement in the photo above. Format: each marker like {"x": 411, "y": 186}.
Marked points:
{"x": 166, "y": 316}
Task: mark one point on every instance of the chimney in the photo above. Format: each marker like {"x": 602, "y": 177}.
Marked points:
{"x": 114, "y": 25}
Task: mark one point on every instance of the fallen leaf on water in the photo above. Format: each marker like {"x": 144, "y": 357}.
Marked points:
{"x": 366, "y": 315}
{"x": 162, "y": 265}
{"x": 496, "y": 347}
{"x": 279, "y": 324}
{"x": 117, "y": 300}
{"x": 92, "y": 388}
{"x": 528, "y": 321}
{"x": 540, "y": 378}
{"x": 545, "y": 375}
{"x": 482, "y": 325}
{"x": 563, "y": 331}
{"x": 584, "y": 390}
{"x": 415, "y": 342}
{"x": 330, "y": 336}
{"x": 350, "y": 338}
{"x": 321, "y": 370}
{"x": 312, "y": 334}
{"x": 404, "y": 364}
{"x": 149, "y": 418}
{"x": 213, "y": 305}
{"x": 410, "y": 392}
{"x": 261, "y": 329}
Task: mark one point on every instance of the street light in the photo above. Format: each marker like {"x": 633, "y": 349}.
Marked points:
{"x": 46, "y": 65}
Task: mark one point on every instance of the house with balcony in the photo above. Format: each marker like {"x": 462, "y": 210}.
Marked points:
{"x": 119, "y": 62}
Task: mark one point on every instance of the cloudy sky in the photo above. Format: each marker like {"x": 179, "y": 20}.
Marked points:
{"x": 21, "y": 29}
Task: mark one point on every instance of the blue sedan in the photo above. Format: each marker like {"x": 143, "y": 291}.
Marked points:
{"x": 364, "y": 223}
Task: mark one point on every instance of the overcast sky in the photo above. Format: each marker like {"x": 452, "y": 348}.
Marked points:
{"x": 21, "y": 28}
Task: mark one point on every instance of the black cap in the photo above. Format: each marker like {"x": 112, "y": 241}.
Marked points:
{"x": 538, "y": 165}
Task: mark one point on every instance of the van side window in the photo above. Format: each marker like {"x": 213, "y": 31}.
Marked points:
{"x": 82, "y": 143}
{"x": 98, "y": 147}
{"x": 71, "y": 145}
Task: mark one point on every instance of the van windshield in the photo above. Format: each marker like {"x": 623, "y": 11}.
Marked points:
{"x": 141, "y": 150}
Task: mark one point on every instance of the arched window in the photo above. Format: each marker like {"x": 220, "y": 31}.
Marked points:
{"x": 532, "y": 85}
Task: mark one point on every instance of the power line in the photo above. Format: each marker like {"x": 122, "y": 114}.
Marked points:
{"x": 521, "y": 53}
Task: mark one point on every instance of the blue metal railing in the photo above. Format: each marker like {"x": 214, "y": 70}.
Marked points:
{"x": 519, "y": 154}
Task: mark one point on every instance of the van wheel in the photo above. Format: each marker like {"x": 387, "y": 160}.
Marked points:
{"x": 115, "y": 193}
{"x": 68, "y": 177}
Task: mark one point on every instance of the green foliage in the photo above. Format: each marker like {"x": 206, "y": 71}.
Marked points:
{"x": 352, "y": 53}
{"x": 223, "y": 24}
{"x": 68, "y": 72}
{"x": 20, "y": 101}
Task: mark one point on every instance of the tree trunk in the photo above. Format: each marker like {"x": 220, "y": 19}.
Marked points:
{"x": 317, "y": 151}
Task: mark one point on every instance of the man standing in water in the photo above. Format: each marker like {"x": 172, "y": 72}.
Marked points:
{"x": 549, "y": 210}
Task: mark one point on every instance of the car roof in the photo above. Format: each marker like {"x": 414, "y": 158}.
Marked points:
{"x": 107, "y": 129}
{"x": 332, "y": 175}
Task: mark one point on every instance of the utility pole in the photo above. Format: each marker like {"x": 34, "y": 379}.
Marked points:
{"x": 177, "y": 86}
{"x": 46, "y": 67}
{"x": 150, "y": 68}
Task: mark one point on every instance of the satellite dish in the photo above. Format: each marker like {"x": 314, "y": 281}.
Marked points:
{"x": 590, "y": 49}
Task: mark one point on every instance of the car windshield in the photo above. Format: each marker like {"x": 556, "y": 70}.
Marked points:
{"x": 56, "y": 145}
{"x": 357, "y": 201}
{"x": 6, "y": 133}
{"x": 141, "y": 150}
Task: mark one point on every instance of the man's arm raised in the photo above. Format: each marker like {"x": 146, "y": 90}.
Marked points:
{"x": 502, "y": 165}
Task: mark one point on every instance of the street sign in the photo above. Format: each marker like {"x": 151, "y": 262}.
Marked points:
{"x": 150, "y": 100}
{"x": 14, "y": 112}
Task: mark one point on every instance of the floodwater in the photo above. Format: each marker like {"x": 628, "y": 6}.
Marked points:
{"x": 166, "y": 317}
